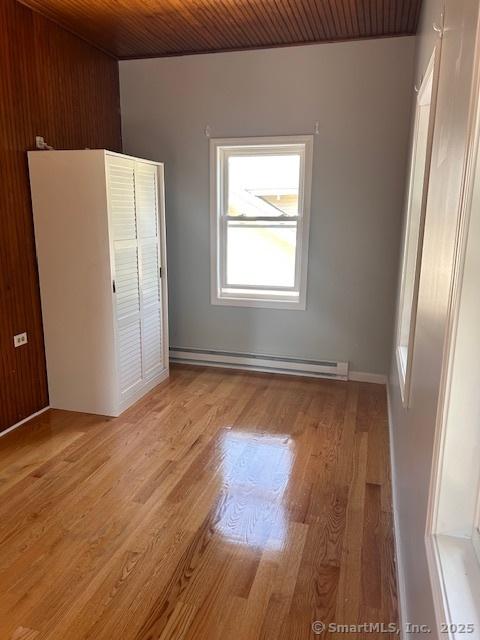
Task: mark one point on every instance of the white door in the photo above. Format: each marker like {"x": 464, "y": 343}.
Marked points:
{"x": 148, "y": 231}
{"x": 126, "y": 276}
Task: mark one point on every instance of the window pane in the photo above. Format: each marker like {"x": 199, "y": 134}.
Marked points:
{"x": 263, "y": 185}
{"x": 260, "y": 253}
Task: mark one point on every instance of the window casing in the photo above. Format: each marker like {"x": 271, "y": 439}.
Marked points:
{"x": 452, "y": 531}
{"x": 476, "y": 527}
{"x": 260, "y": 211}
{"x": 453, "y": 539}
{"x": 413, "y": 240}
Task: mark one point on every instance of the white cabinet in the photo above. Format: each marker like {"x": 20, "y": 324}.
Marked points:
{"x": 100, "y": 238}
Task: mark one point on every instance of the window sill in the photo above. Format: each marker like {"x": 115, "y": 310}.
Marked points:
{"x": 455, "y": 577}
{"x": 262, "y": 303}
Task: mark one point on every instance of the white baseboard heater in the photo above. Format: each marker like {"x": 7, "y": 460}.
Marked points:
{"x": 257, "y": 362}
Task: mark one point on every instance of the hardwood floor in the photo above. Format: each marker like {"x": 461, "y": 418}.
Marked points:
{"x": 223, "y": 505}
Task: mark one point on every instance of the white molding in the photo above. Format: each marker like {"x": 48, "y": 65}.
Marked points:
{"x": 260, "y": 303}
{"x": 427, "y": 92}
{"x": 436, "y": 580}
{"x": 361, "y": 376}
{"x": 401, "y": 582}
{"x": 453, "y": 309}
{"x": 453, "y": 565}
{"x": 27, "y": 419}
{"x": 265, "y": 141}
{"x": 455, "y": 581}
{"x": 261, "y": 362}
{"x": 403, "y": 382}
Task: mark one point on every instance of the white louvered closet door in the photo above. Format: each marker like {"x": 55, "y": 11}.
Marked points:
{"x": 148, "y": 226}
{"x": 123, "y": 223}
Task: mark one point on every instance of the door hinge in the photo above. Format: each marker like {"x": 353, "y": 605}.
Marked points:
{"x": 160, "y": 271}
{"x": 114, "y": 287}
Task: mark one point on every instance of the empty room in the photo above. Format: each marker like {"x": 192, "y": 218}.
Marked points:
{"x": 239, "y": 319}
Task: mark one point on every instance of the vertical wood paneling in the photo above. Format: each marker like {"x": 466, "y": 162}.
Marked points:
{"x": 144, "y": 28}
{"x": 55, "y": 85}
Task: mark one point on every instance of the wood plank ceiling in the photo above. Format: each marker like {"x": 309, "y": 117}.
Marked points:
{"x": 148, "y": 28}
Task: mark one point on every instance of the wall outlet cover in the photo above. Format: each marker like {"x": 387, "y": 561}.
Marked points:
{"x": 20, "y": 339}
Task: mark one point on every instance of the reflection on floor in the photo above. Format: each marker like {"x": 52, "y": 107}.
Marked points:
{"x": 224, "y": 505}
{"x": 256, "y": 469}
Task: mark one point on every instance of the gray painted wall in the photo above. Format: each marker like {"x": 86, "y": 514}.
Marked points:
{"x": 413, "y": 430}
{"x": 360, "y": 92}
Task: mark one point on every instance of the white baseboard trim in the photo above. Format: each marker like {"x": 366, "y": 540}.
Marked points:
{"x": 260, "y": 362}
{"x": 19, "y": 424}
{"x": 374, "y": 378}
{"x": 401, "y": 585}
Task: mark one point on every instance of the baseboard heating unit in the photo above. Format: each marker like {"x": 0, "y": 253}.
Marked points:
{"x": 257, "y": 362}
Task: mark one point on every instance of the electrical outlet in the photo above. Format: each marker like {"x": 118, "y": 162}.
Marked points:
{"x": 41, "y": 144}
{"x": 20, "y": 339}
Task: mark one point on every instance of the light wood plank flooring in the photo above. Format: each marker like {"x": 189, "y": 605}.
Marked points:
{"x": 223, "y": 505}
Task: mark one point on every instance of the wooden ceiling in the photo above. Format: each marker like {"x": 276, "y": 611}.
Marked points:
{"x": 146, "y": 28}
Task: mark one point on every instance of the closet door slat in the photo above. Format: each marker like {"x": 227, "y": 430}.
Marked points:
{"x": 146, "y": 202}
{"x": 128, "y": 299}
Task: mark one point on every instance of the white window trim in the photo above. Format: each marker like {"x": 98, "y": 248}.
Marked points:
{"x": 476, "y": 529}
{"x": 451, "y": 537}
{"x": 243, "y": 297}
{"x": 404, "y": 356}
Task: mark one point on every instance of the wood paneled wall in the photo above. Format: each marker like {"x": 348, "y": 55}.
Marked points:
{"x": 55, "y": 85}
